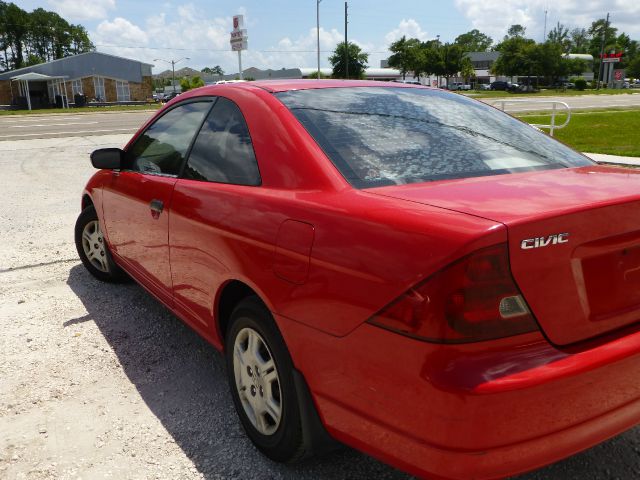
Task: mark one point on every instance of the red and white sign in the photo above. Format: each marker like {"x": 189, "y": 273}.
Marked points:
{"x": 239, "y": 37}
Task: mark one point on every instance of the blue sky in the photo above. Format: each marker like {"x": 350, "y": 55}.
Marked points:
{"x": 282, "y": 33}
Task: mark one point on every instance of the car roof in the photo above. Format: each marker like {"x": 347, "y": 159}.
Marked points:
{"x": 276, "y": 86}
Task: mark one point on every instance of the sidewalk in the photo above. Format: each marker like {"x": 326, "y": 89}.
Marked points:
{"x": 615, "y": 159}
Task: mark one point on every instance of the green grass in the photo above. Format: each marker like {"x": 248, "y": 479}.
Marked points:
{"x": 70, "y": 111}
{"x": 609, "y": 132}
{"x": 551, "y": 93}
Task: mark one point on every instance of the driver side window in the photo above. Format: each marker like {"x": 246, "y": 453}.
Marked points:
{"x": 162, "y": 147}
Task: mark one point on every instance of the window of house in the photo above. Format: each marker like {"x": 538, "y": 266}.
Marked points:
{"x": 51, "y": 90}
{"x": 76, "y": 87}
{"x": 98, "y": 85}
{"x": 122, "y": 91}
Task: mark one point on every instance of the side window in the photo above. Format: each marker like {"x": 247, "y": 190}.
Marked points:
{"x": 161, "y": 147}
{"x": 223, "y": 151}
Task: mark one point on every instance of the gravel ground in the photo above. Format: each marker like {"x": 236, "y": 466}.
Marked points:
{"x": 101, "y": 381}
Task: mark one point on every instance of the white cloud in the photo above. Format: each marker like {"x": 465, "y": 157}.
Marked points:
{"x": 83, "y": 10}
{"x": 205, "y": 40}
{"x": 409, "y": 28}
{"x": 126, "y": 32}
{"x": 494, "y": 17}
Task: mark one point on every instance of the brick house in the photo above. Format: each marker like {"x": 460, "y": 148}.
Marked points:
{"x": 99, "y": 76}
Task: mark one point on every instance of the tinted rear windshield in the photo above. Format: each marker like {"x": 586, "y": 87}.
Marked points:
{"x": 380, "y": 136}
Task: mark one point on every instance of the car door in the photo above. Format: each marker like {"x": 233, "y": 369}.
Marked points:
{"x": 211, "y": 211}
{"x": 136, "y": 200}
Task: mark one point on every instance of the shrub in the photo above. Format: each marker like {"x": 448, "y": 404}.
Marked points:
{"x": 580, "y": 83}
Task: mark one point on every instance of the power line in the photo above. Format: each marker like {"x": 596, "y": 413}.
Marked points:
{"x": 217, "y": 50}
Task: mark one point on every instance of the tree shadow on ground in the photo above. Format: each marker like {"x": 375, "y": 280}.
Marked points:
{"x": 182, "y": 380}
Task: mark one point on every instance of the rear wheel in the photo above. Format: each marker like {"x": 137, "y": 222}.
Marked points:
{"x": 260, "y": 373}
{"x": 93, "y": 250}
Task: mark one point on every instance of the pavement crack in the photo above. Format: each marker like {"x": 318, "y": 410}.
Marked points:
{"x": 35, "y": 265}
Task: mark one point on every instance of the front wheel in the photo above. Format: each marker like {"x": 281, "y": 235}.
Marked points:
{"x": 93, "y": 250}
{"x": 260, "y": 374}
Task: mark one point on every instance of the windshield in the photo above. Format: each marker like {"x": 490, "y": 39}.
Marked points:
{"x": 381, "y": 136}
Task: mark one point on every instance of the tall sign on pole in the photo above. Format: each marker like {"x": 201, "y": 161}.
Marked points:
{"x": 239, "y": 40}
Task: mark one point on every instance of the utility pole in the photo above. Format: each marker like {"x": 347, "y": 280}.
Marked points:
{"x": 318, "y": 32}
{"x": 346, "y": 43}
{"x": 173, "y": 75}
{"x": 173, "y": 68}
{"x": 544, "y": 35}
{"x": 604, "y": 37}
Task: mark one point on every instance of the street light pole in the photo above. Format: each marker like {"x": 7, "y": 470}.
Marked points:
{"x": 173, "y": 75}
{"x": 346, "y": 44}
{"x": 318, "y": 32}
{"x": 173, "y": 68}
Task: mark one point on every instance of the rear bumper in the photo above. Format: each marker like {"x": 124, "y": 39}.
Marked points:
{"x": 481, "y": 411}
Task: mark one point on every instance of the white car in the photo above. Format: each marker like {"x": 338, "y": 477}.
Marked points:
{"x": 459, "y": 86}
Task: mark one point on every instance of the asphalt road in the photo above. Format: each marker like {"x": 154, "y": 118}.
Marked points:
{"x": 519, "y": 103}
{"x": 24, "y": 127}
{"x": 101, "y": 381}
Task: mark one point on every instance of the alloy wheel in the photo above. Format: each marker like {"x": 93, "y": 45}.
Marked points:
{"x": 93, "y": 246}
{"x": 257, "y": 381}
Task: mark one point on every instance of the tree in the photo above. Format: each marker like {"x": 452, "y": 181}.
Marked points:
{"x": 79, "y": 41}
{"x": 405, "y": 55}
{"x": 187, "y": 83}
{"x": 4, "y": 45}
{"x": 474, "y": 41}
{"x": 579, "y": 40}
{"x": 357, "y": 61}
{"x": 467, "y": 71}
{"x": 38, "y": 36}
{"x": 431, "y": 60}
{"x": 560, "y": 36}
{"x": 16, "y": 28}
{"x": 453, "y": 59}
{"x": 217, "y": 70}
{"x": 516, "y": 31}
{"x": 596, "y": 31}
{"x": 516, "y": 57}
{"x": 315, "y": 75}
{"x": 33, "y": 60}
{"x": 633, "y": 68}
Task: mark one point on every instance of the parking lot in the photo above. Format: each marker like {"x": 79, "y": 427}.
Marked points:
{"x": 101, "y": 381}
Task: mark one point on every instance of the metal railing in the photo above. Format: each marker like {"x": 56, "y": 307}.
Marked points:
{"x": 552, "y": 126}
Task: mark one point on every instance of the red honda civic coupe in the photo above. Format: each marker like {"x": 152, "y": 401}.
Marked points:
{"x": 401, "y": 269}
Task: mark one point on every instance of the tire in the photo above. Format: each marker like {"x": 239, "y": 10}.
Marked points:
{"x": 261, "y": 376}
{"x": 93, "y": 250}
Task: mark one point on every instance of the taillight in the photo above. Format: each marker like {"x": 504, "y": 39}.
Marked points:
{"x": 470, "y": 300}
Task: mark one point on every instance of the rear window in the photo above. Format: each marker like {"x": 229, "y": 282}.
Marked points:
{"x": 380, "y": 136}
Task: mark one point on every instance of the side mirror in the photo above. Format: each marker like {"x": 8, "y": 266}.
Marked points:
{"x": 107, "y": 158}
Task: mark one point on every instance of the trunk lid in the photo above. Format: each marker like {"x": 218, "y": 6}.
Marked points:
{"x": 574, "y": 240}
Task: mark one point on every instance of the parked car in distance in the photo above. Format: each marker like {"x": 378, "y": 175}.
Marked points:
{"x": 408, "y": 82}
{"x": 500, "y": 85}
{"x": 402, "y": 269}
{"x": 459, "y": 86}
{"x": 563, "y": 85}
{"x": 170, "y": 96}
{"x": 221, "y": 82}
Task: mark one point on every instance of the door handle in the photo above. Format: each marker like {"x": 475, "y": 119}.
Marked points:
{"x": 156, "y": 207}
